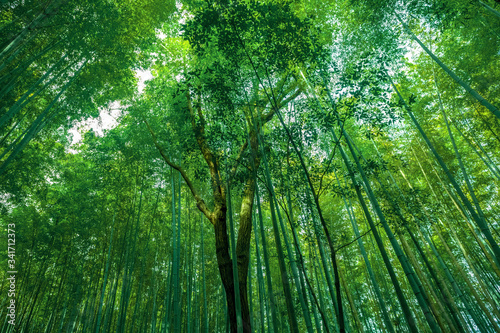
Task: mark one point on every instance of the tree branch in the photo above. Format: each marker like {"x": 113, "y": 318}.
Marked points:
{"x": 210, "y": 158}
{"x": 355, "y": 239}
{"x": 200, "y": 203}
{"x": 199, "y": 132}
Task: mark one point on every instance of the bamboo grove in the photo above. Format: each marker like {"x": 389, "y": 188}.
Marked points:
{"x": 291, "y": 166}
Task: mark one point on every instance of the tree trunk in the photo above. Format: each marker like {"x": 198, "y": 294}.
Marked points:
{"x": 101, "y": 301}
{"x": 376, "y": 287}
{"x": 340, "y": 312}
{"x": 243, "y": 249}
{"x": 224, "y": 260}
{"x": 479, "y": 221}
{"x": 260, "y": 277}
{"x": 205, "y": 311}
{"x": 270, "y": 291}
